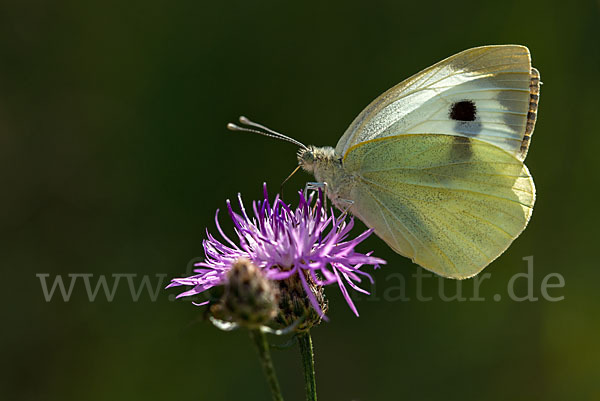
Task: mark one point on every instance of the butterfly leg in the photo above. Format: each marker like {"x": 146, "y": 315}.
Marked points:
{"x": 344, "y": 205}
{"x": 316, "y": 186}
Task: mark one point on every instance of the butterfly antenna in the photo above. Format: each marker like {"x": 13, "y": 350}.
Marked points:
{"x": 265, "y": 131}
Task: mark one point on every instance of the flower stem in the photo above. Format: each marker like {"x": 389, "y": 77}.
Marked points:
{"x": 308, "y": 361}
{"x": 264, "y": 354}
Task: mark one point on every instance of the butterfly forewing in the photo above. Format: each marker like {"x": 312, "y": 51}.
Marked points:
{"x": 482, "y": 93}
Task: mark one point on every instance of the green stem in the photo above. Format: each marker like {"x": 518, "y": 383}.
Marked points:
{"x": 264, "y": 354}
{"x": 308, "y": 361}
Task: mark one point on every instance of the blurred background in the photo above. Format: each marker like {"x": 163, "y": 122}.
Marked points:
{"x": 114, "y": 157}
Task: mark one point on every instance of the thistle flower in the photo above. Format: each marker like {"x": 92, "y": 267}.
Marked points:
{"x": 301, "y": 249}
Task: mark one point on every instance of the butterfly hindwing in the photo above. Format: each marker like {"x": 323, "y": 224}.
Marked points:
{"x": 450, "y": 203}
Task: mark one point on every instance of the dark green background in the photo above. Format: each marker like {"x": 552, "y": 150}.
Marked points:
{"x": 114, "y": 156}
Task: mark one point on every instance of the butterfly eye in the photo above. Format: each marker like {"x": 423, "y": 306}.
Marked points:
{"x": 464, "y": 110}
{"x": 306, "y": 156}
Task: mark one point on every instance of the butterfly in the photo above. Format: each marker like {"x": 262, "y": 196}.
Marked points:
{"x": 435, "y": 164}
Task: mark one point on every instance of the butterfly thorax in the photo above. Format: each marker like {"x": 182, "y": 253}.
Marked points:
{"x": 327, "y": 168}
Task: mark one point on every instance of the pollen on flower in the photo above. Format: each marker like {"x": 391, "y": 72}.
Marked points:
{"x": 302, "y": 248}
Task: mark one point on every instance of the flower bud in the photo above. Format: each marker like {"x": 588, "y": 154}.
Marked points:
{"x": 249, "y": 299}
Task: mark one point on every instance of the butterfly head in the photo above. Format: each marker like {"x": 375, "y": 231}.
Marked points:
{"x": 306, "y": 158}
{"x": 312, "y": 157}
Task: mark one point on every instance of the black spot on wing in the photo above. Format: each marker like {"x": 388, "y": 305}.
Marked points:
{"x": 465, "y": 110}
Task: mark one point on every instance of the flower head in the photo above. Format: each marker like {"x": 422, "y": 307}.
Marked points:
{"x": 305, "y": 244}
{"x": 248, "y": 298}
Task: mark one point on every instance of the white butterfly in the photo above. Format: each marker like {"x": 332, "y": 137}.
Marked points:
{"x": 435, "y": 164}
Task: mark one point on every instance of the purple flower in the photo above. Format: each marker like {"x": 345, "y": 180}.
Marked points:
{"x": 284, "y": 242}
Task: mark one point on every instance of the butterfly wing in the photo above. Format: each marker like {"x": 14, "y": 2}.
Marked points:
{"x": 489, "y": 93}
{"x": 437, "y": 160}
{"x": 450, "y": 203}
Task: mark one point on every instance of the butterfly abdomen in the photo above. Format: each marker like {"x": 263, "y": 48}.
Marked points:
{"x": 534, "y": 96}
